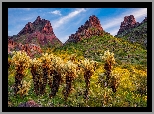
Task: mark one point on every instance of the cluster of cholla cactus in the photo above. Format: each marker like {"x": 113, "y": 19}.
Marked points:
{"x": 109, "y": 62}
{"x": 88, "y": 68}
{"x": 52, "y": 70}
{"x": 21, "y": 62}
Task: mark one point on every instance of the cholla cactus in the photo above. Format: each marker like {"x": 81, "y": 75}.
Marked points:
{"x": 24, "y": 89}
{"x": 20, "y": 58}
{"x": 57, "y": 64}
{"x": 114, "y": 81}
{"x": 108, "y": 57}
{"x": 36, "y": 71}
{"x": 22, "y": 63}
{"x": 70, "y": 70}
{"x": 88, "y": 69}
{"x": 57, "y": 73}
{"x": 109, "y": 62}
{"x": 46, "y": 67}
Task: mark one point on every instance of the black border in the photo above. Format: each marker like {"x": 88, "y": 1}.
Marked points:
{"x": 6, "y": 5}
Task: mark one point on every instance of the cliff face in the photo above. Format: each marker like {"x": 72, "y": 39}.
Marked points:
{"x": 90, "y": 28}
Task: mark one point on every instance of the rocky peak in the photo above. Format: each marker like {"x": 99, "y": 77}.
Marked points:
{"x": 90, "y": 28}
{"x": 94, "y": 22}
{"x": 41, "y": 25}
{"x": 35, "y": 35}
{"x": 129, "y": 22}
{"x": 145, "y": 20}
{"x": 38, "y": 20}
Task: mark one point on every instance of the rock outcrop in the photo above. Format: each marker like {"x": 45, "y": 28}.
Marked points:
{"x": 128, "y": 23}
{"x": 40, "y": 29}
{"x": 41, "y": 25}
{"x": 90, "y": 28}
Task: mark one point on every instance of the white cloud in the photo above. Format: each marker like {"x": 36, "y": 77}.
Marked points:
{"x": 116, "y": 21}
{"x": 56, "y": 12}
{"x": 66, "y": 18}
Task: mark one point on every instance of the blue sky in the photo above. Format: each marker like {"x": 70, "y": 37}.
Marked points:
{"x": 66, "y": 21}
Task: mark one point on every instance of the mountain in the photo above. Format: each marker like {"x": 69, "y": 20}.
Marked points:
{"x": 37, "y": 34}
{"x": 133, "y": 31}
{"x": 93, "y": 45}
{"x": 92, "y": 27}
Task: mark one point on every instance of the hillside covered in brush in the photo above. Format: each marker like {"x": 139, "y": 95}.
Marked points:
{"x": 91, "y": 41}
{"x": 133, "y": 31}
{"x": 125, "y": 52}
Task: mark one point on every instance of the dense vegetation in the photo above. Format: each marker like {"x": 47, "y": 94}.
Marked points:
{"x": 82, "y": 74}
{"x": 137, "y": 34}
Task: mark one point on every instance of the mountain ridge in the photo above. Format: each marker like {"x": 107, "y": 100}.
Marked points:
{"x": 133, "y": 31}
{"x": 40, "y": 33}
{"x": 90, "y": 28}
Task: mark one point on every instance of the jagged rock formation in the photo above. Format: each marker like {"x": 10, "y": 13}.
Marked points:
{"x": 128, "y": 23}
{"x": 133, "y": 31}
{"x": 34, "y": 36}
{"x": 90, "y": 28}
{"x": 41, "y": 25}
{"x": 40, "y": 29}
